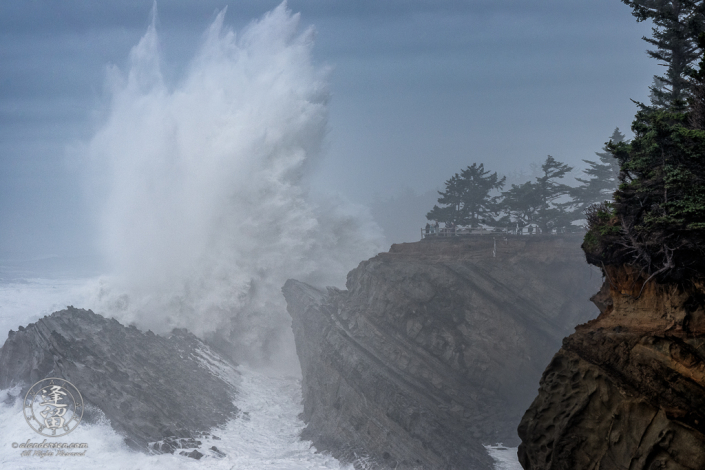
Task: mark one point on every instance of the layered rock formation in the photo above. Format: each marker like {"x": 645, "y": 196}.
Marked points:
{"x": 161, "y": 393}
{"x": 436, "y": 347}
{"x": 627, "y": 390}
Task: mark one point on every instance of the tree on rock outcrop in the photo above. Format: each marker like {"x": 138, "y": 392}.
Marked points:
{"x": 657, "y": 222}
{"x": 467, "y": 198}
{"x": 541, "y": 202}
{"x": 522, "y": 203}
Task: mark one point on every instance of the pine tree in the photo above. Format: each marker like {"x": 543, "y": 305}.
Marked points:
{"x": 696, "y": 117}
{"x": 551, "y": 213}
{"x": 522, "y": 203}
{"x": 677, "y": 25}
{"x": 467, "y": 198}
{"x": 537, "y": 202}
{"x": 657, "y": 220}
{"x": 603, "y": 178}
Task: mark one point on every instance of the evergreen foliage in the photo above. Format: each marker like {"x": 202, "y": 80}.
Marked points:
{"x": 522, "y": 203}
{"x": 468, "y": 201}
{"x": 467, "y": 198}
{"x": 603, "y": 177}
{"x": 538, "y": 202}
{"x": 696, "y": 118}
{"x": 677, "y": 25}
{"x": 551, "y": 213}
{"x": 657, "y": 221}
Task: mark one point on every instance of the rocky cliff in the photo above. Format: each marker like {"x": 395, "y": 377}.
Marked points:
{"x": 627, "y": 390}
{"x": 436, "y": 347}
{"x": 161, "y": 393}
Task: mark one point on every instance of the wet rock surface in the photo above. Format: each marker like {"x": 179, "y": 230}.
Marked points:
{"x": 160, "y": 393}
{"x": 627, "y": 390}
{"x": 436, "y": 347}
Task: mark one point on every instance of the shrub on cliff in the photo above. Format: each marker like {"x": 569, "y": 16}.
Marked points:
{"x": 657, "y": 221}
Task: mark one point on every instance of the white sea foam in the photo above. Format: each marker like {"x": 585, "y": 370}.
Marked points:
{"x": 505, "y": 457}
{"x": 265, "y": 436}
{"x": 202, "y": 186}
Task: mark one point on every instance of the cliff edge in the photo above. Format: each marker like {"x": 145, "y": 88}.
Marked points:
{"x": 627, "y": 390}
{"x": 436, "y": 347}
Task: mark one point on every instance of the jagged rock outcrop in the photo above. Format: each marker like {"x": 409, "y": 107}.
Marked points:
{"x": 436, "y": 347}
{"x": 161, "y": 393}
{"x": 627, "y": 390}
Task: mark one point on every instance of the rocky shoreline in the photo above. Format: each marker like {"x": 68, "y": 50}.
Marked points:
{"x": 161, "y": 393}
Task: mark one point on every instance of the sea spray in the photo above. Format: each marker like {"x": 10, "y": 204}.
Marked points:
{"x": 201, "y": 183}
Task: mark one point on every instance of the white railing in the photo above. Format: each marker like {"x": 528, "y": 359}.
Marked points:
{"x": 433, "y": 232}
{"x": 455, "y": 232}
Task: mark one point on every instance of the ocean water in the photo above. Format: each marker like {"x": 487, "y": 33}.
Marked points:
{"x": 268, "y": 438}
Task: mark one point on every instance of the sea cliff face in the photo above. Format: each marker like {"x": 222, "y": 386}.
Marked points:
{"x": 436, "y": 347}
{"x": 627, "y": 390}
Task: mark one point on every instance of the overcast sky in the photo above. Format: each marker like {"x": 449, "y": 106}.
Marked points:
{"x": 420, "y": 89}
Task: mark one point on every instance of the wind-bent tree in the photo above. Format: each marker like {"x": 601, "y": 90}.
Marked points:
{"x": 551, "y": 213}
{"x": 522, "y": 202}
{"x": 677, "y": 25}
{"x": 538, "y": 202}
{"x": 467, "y": 198}
{"x": 603, "y": 177}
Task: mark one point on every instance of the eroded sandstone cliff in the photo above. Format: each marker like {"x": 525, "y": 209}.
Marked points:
{"x": 627, "y": 390}
{"x": 436, "y": 347}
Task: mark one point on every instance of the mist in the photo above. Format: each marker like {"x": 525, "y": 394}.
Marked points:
{"x": 201, "y": 187}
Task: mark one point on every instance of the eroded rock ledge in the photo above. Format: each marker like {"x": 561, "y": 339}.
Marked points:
{"x": 436, "y": 347}
{"x": 627, "y": 390}
{"x": 161, "y": 393}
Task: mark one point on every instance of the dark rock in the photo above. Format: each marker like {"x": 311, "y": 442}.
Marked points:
{"x": 171, "y": 444}
{"x": 627, "y": 390}
{"x": 193, "y": 454}
{"x": 217, "y": 452}
{"x": 153, "y": 389}
{"x": 436, "y": 347}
